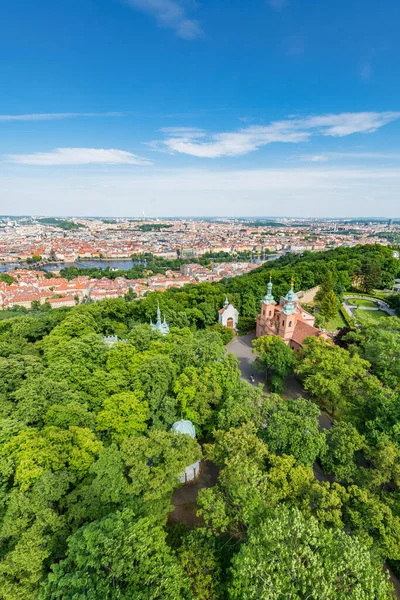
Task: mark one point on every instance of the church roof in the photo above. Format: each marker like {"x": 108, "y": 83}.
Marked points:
{"x": 291, "y": 296}
{"x": 289, "y": 308}
{"x": 268, "y": 298}
{"x": 161, "y": 326}
{"x": 303, "y": 331}
{"x": 184, "y": 426}
{"x": 225, "y": 307}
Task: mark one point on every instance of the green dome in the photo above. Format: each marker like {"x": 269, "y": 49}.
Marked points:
{"x": 268, "y": 298}
{"x": 291, "y": 296}
{"x": 184, "y": 427}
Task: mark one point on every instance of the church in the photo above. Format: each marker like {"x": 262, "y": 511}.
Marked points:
{"x": 228, "y": 315}
{"x": 288, "y": 319}
{"x": 160, "y": 326}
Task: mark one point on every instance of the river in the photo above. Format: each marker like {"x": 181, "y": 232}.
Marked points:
{"x": 124, "y": 265}
{"x": 100, "y": 263}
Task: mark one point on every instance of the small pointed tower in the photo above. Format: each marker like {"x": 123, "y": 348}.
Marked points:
{"x": 158, "y": 314}
{"x": 226, "y": 303}
{"x": 288, "y": 316}
{"x": 165, "y": 327}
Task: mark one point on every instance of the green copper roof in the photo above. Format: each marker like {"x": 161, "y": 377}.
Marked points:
{"x": 291, "y": 296}
{"x": 289, "y": 308}
{"x": 268, "y": 298}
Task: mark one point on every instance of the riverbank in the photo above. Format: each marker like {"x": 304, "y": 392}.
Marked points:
{"x": 122, "y": 264}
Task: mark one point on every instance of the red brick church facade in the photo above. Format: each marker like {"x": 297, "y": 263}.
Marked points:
{"x": 288, "y": 319}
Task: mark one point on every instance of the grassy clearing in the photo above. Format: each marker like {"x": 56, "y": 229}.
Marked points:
{"x": 336, "y": 323}
{"x": 361, "y": 302}
{"x": 374, "y": 315}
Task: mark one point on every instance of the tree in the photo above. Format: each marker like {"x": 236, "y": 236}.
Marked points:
{"x": 381, "y": 348}
{"x": 325, "y": 287}
{"x": 6, "y": 278}
{"x": 244, "y": 404}
{"x": 226, "y": 333}
{"x": 120, "y": 556}
{"x": 293, "y": 428}
{"x": 277, "y": 357}
{"x": 251, "y": 482}
{"x": 290, "y": 556}
{"x": 343, "y": 441}
{"x": 332, "y": 375}
{"x": 140, "y": 336}
{"x": 370, "y": 275}
{"x": 31, "y": 453}
{"x": 155, "y": 463}
{"x": 154, "y": 374}
{"x": 123, "y": 415}
{"x": 373, "y": 522}
{"x": 328, "y": 306}
{"x": 198, "y": 557}
{"x": 130, "y": 295}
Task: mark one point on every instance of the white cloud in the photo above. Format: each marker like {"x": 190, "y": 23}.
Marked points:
{"x": 350, "y": 155}
{"x": 315, "y": 158}
{"x": 78, "y": 156}
{"x": 348, "y": 123}
{"x": 170, "y": 14}
{"x": 293, "y": 130}
{"x": 305, "y": 191}
{"x": 54, "y": 116}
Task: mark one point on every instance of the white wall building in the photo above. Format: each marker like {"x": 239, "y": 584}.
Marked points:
{"x": 187, "y": 428}
{"x": 228, "y": 315}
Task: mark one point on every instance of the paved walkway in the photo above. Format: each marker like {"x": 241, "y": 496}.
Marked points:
{"x": 380, "y": 305}
{"x": 243, "y": 349}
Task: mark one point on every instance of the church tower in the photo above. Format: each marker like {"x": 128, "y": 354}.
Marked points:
{"x": 268, "y": 302}
{"x": 288, "y": 316}
{"x": 267, "y": 311}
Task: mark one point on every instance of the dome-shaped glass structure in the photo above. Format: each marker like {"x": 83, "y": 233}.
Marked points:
{"x": 184, "y": 427}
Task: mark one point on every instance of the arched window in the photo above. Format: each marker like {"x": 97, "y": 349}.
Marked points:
{"x": 290, "y": 323}
{"x": 283, "y": 323}
{"x": 270, "y": 313}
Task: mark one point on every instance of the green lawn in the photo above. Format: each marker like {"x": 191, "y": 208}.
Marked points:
{"x": 374, "y": 315}
{"x": 361, "y": 302}
{"x": 336, "y": 323}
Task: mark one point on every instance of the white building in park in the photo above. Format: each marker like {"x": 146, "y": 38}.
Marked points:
{"x": 228, "y": 315}
{"x": 192, "y": 471}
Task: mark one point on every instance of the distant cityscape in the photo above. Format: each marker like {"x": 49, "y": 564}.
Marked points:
{"x": 33, "y": 250}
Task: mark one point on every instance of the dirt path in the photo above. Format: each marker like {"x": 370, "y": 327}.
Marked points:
{"x": 184, "y": 498}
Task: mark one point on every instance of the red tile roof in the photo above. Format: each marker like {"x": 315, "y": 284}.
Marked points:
{"x": 302, "y": 331}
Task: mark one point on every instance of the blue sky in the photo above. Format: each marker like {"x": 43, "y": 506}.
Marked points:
{"x": 184, "y": 107}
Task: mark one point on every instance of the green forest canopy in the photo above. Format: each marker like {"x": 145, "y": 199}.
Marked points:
{"x": 89, "y": 465}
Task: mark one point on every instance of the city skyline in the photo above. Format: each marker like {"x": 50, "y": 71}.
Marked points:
{"x": 188, "y": 109}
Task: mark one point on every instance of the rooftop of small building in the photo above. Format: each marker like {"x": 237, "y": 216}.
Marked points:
{"x": 184, "y": 426}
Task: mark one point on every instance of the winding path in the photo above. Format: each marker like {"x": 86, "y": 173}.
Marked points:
{"x": 243, "y": 349}
{"x": 380, "y": 305}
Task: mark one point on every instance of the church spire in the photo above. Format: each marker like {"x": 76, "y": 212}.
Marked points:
{"x": 161, "y": 326}
{"x": 158, "y": 313}
{"x": 268, "y": 298}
